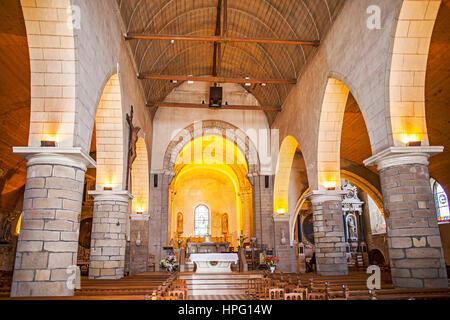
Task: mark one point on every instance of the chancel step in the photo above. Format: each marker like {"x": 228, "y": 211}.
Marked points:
{"x": 218, "y": 284}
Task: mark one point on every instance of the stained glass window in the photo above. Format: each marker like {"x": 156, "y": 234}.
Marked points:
{"x": 441, "y": 201}
{"x": 201, "y": 221}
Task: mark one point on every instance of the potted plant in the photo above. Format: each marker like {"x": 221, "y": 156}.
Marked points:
{"x": 272, "y": 263}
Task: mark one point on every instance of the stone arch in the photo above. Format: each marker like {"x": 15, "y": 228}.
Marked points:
{"x": 216, "y": 128}
{"x": 52, "y": 49}
{"x": 140, "y": 179}
{"x": 300, "y": 202}
{"x": 334, "y": 104}
{"x": 406, "y": 74}
{"x": 329, "y": 137}
{"x": 282, "y": 175}
{"x": 110, "y": 137}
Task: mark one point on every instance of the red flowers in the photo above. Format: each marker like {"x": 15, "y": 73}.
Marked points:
{"x": 272, "y": 261}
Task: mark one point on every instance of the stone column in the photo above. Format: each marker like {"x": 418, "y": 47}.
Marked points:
{"x": 246, "y": 205}
{"x": 48, "y": 241}
{"x": 329, "y": 238}
{"x": 414, "y": 241}
{"x": 108, "y": 237}
{"x": 263, "y": 227}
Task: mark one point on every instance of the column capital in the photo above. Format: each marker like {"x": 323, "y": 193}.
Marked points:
{"x": 111, "y": 195}
{"x": 320, "y": 196}
{"x": 397, "y": 156}
{"x": 76, "y": 157}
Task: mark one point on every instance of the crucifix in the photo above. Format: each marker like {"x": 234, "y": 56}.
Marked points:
{"x": 132, "y": 140}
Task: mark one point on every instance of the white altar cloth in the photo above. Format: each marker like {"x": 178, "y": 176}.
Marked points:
{"x": 214, "y": 262}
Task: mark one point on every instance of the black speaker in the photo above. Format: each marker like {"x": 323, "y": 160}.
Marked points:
{"x": 215, "y": 97}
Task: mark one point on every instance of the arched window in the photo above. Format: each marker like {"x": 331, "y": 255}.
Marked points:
{"x": 201, "y": 221}
{"x": 441, "y": 201}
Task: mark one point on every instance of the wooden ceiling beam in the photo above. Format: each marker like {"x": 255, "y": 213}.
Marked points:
{"x": 215, "y": 79}
{"x": 206, "y": 106}
{"x": 221, "y": 39}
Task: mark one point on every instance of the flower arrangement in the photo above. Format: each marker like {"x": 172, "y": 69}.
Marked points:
{"x": 272, "y": 262}
{"x": 169, "y": 264}
{"x": 242, "y": 239}
{"x": 179, "y": 242}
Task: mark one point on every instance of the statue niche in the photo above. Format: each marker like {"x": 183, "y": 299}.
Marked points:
{"x": 179, "y": 223}
{"x": 225, "y": 224}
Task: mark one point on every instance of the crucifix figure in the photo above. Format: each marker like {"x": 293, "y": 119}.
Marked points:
{"x": 133, "y": 137}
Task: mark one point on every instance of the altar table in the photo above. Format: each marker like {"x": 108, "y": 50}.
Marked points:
{"x": 214, "y": 262}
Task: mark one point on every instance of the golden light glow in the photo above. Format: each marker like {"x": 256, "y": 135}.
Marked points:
{"x": 19, "y": 224}
{"x": 211, "y": 150}
{"x": 330, "y": 184}
{"x": 51, "y": 137}
{"x": 406, "y": 138}
{"x": 282, "y": 176}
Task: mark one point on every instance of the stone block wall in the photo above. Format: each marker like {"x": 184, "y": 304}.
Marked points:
{"x": 138, "y": 253}
{"x": 329, "y": 238}
{"x": 108, "y": 239}
{"x": 283, "y": 250}
{"x": 48, "y": 241}
{"x": 414, "y": 240}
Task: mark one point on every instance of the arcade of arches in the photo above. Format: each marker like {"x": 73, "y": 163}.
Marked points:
{"x": 334, "y": 147}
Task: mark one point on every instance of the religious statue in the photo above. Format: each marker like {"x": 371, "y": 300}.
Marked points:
{"x": 180, "y": 223}
{"x": 6, "y": 226}
{"x": 283, "y": 236}
{"x": 352, "y": 231}
{"x": 225, "y": 223}
{"x": 132, "y": 140}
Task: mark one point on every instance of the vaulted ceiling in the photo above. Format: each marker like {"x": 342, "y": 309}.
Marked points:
{"x": 274, "y": 19}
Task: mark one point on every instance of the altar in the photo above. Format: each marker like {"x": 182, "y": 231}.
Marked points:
{"x": 214, "y": 262}
{"x": 207, "y": 247}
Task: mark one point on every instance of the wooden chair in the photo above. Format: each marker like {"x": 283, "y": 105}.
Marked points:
{"x": 169, "y": 298}
{"x": 180, "y": 294}
{"x": 303, "y": 291}
{"x": 151, "y": 262}
{"x": 251, "y": 287}
{"x": 290, "y": 288}
{"x": 316, "y": 296}
{"x": 276, "y": 294}
{"x": 293, "y": 296}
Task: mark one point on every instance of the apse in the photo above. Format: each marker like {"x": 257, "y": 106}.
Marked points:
{"x": 210, "y": 194}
